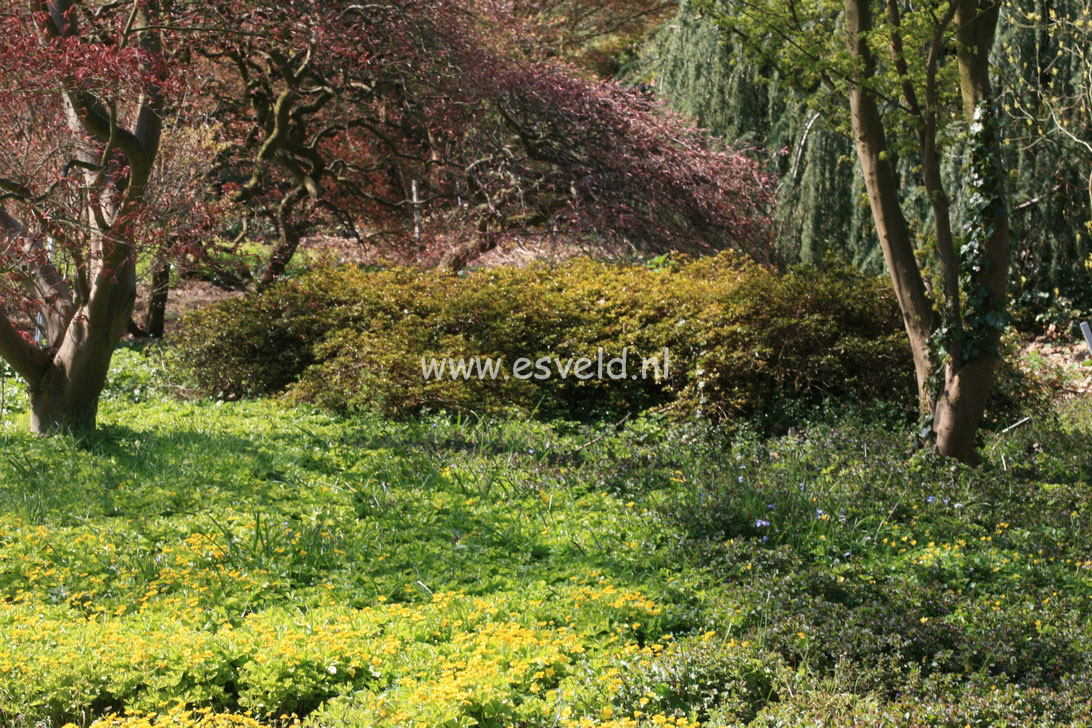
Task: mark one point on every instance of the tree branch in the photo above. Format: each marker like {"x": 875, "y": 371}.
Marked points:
{"x": 25, "y": 358}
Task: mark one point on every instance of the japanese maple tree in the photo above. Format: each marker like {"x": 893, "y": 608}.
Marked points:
{"x": 428, "y": 130}
{"x": 85, "y": 89}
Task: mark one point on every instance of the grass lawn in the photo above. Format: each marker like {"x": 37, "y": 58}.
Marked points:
{"x": 240, "y": 564}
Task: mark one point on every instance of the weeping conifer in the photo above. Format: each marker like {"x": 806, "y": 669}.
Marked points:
{"x": 822, "y": 213}
{"x": 1045, "y": 63}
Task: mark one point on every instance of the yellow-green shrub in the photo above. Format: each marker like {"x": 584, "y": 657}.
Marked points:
{"x": 739, "y": 336}
{"x": 259, "y": 343}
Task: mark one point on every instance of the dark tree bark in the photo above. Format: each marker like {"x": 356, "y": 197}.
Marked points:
{"x": 967, "y": 383}
{"x": 289, "y": 234}
{"x": 157, "y": 299}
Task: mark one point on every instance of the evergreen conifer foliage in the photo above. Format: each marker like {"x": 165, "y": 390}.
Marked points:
{"x": 1044, "y": 58}
{"x": 820, "y": 207}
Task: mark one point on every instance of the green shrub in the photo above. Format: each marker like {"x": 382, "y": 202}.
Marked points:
{"x": 965, "y": 703}
{"x": 739, "y": 336}
{"x": 260, "y": 343}
{"x": 806, "y": 334}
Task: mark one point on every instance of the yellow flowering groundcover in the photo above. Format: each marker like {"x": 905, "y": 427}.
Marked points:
{"x": 211, "y": 564}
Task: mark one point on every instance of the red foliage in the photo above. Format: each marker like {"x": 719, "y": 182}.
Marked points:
{"x": 433, "y": 127}
{"x": 426, "y": 127}
{"x": 72, "y": 173}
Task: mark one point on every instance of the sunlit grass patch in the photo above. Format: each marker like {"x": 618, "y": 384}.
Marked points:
{"x": 213, "y": 562}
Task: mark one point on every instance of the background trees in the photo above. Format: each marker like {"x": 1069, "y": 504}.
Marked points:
{"x": 428, "y": 129}
{"x": 786, "y": 89}
{"x": 1037, "y": 64}
{"x": 1045, "y": 68}
{"x": 437, "y": 131}
{"x": 419, "y": 130}
{"x": 736, "y": 94}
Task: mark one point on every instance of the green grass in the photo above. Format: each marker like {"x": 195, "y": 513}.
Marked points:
{"x": 252, "y": 558}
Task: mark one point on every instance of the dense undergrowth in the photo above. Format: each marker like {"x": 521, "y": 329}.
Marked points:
{"x": 230, "y": 563}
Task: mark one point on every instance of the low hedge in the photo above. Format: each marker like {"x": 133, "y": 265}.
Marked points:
{"x": 739, "y": 336}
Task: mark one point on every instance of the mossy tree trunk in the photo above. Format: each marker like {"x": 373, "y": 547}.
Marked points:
{"x": 970, "y": 324}
{"x": 969, "y": 376}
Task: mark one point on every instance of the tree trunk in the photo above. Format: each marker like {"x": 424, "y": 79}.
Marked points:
{"x": 85, "y": 317}
{"x": 59, "y": 403}
{"x": 961, "y": 406}
{"x": 882, "y": 188}
{"x": 290, "y": 233}
{"x": 65, "y": 396}
{"x": 157, "y": 299}
{"x": 967, "y": 383}
{"x": 280, "y": 257}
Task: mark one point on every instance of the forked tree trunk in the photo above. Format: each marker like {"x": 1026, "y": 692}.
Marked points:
{"x": 967, "y": 384}
{"x": 279, "y": 259}
{"x": 960, "y": 406}
{"x": 289, "y": 236}
{"x": 84, "y": 318}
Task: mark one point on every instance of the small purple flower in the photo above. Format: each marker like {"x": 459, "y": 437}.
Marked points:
{"x": 771, "y": 506}
{"x": 931, "y": 500}
{"x": 819, "y": 513}
{"x": 741, "y": 478}
{"x": 759, "y": 523}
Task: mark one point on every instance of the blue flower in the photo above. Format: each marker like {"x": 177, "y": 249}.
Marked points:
{"x": 741, "y": 478}
{"x": 771, "y": 506}
{"x": 930, "y": 500}
{"x": 819, "y": 513}
{"x": 759, "y": 523}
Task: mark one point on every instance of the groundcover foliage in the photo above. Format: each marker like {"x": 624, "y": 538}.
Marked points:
{"x": 221, "y": 564}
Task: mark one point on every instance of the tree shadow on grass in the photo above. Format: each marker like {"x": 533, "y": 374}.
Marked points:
{"x": 122, "y": 471}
